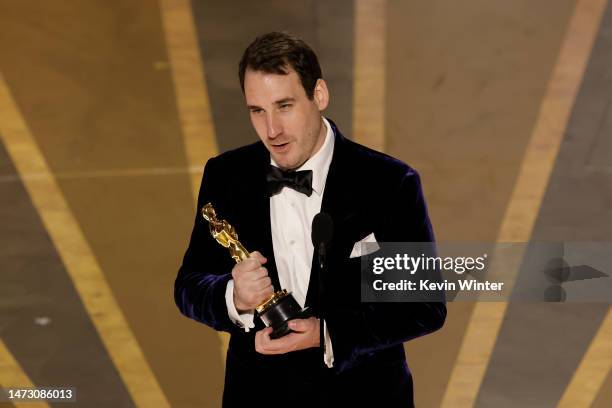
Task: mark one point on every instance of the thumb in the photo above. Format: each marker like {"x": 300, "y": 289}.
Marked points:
{"x": 299, "y": 325}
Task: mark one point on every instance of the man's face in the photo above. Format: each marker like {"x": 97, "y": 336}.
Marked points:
{"x": 287, "y": 122}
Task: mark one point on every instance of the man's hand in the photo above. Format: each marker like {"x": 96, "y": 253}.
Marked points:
{"x": 306, "y": 335}
{"x": 252, "y": 285}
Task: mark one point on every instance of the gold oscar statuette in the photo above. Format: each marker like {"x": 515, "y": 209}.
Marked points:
{"x": 278, "y": 308}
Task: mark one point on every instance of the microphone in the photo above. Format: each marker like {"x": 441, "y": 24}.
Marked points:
{"x": 322, "y": 232}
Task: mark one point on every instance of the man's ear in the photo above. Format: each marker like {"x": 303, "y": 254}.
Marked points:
{"x": 321, "y": 94}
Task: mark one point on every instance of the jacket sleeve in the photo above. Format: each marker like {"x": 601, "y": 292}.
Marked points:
{"x": 199, "y": 288}
{"x": 360, "y": 329}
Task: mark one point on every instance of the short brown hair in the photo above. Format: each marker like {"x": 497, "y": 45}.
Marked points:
{"x": 275, "y": 52}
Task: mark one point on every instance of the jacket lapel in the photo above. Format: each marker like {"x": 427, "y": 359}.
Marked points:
{"x": 259, "y": 214}
{"x": 337, "y": 203}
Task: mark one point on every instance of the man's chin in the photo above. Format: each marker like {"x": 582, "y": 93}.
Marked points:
{"x": 285, "y": 163}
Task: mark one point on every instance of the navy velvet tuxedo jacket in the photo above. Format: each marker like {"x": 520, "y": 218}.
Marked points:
{"x": 366, "y": 191}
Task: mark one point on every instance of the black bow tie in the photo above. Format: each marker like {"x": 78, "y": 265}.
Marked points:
{"x": 300, "y": 181}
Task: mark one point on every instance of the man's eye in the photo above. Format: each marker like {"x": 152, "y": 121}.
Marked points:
{"x": 256, "y": 111}
{"x": 285, "y": 106}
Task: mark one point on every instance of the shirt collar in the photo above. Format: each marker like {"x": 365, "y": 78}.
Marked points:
{"x": 319, "y": 163}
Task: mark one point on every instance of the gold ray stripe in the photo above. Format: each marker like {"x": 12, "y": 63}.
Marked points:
{"x": 191, "y": 92}
{"x": 521, "y": 213}
{"x": 116, "y": 172}
{"x": 13, "y": 376}
{"x": 77, "y": 256}
{"x": 369, "y": 73}
{"x": 188, "y": 76}
{"x": 592, "y": 371}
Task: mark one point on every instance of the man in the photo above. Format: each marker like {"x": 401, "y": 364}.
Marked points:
{"x": 270, "y": 192}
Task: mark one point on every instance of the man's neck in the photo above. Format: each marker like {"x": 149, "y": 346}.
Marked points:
{"x": 318, "y": 146}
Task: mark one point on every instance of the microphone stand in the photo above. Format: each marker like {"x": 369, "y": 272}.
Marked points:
{"x": 322, "y": 232}
{"x": 322, "y": 264}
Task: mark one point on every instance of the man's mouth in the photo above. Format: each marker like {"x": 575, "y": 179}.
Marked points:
{"x": 280, "y": 147}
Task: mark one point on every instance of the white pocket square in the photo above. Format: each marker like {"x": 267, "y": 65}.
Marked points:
{"x": 360, "y": 249}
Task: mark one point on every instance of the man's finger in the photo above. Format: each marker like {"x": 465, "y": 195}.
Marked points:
{"x": 248, "y": 265}
{"x": 262, "y": 283}
{"x": 258, "y": 256}
{"x": 265, "y": 292}
{"x": 253, "y": 275}
{"x": 258, "y": 347}
{"x": 262, "y": 340}
{"x": 279, "y": 346}
{"x": 259, "y": 339}
{"x": 260, "y": 272}
{"x": 300, "y": 325}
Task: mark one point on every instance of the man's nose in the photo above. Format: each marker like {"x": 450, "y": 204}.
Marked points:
{"x": 273, "y": 126}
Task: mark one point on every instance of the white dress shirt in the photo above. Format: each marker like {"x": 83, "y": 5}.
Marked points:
{"x": 291, "y": 215}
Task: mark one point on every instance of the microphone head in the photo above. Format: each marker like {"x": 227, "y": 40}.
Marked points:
{"x": 322, "y": 229}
